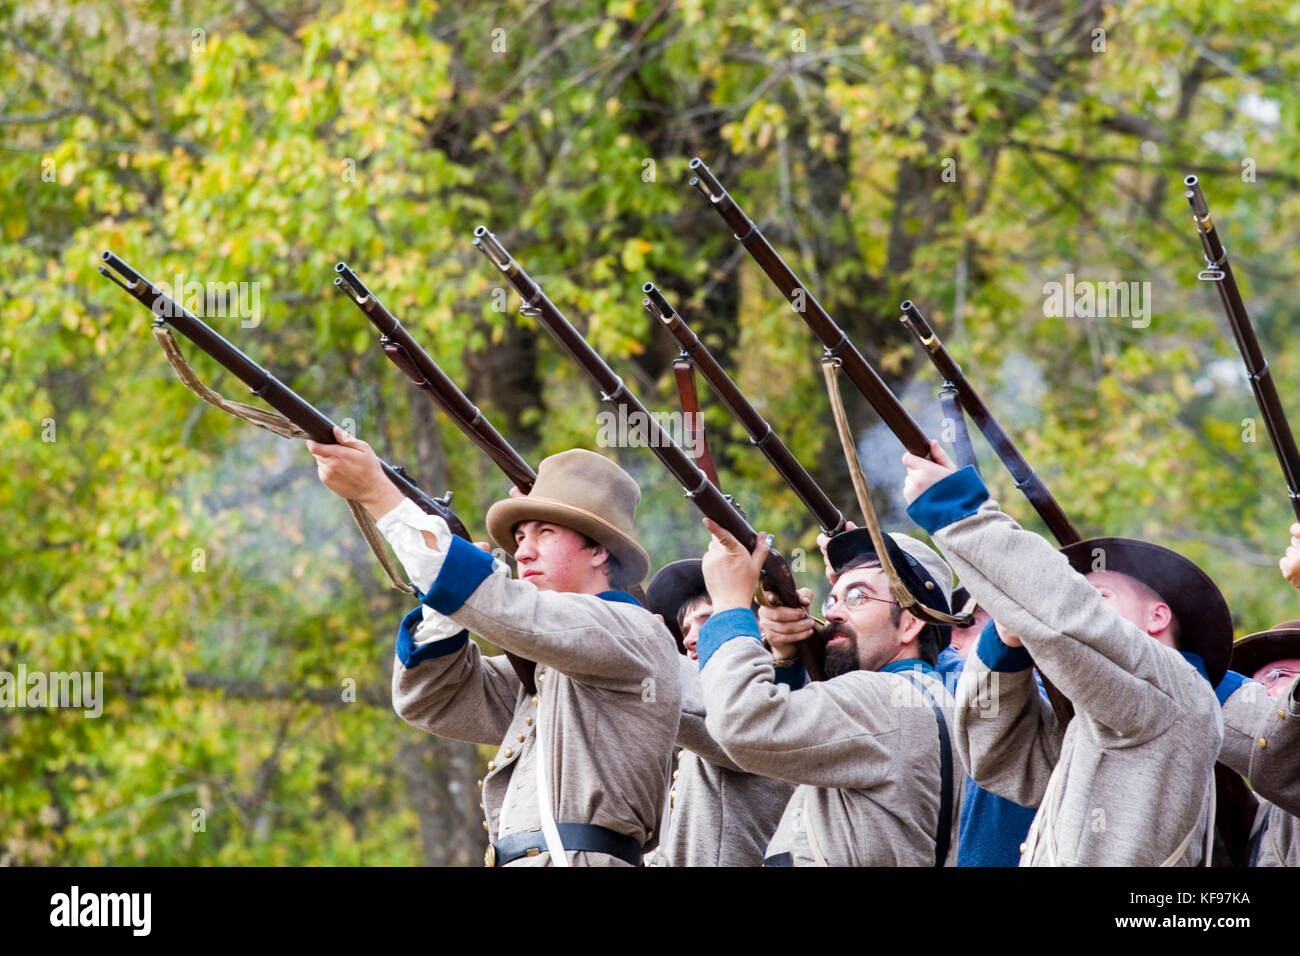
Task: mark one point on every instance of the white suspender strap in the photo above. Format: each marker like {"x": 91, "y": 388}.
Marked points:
{"x": 549, "y": 830}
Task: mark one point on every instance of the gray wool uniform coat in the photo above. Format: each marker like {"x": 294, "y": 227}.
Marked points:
{"x": 1261, "y": 741}
{"x": 608, "y": 699}
{"x": 863, "y": 749}
{"x": 1131, "y": 778}
{"x": 716, "y": 814}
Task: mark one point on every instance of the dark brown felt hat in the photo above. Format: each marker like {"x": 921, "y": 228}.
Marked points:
{"x": 586, "y": 492}
{"x": 1263, "y": 647}
{"x": 671, "y": 587}
{"x": 1192, "y": 595}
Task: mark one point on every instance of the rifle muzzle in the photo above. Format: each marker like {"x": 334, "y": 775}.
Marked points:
{"x": 116, "y": 262}
{"x": 487, "y": 244}
{"x": 914, "y": 320}
{"x": 705, "y": 181}
{"x": 347, "y": 282}
{"x": 1194, "y": 196}
{"x": 656, "y": 304}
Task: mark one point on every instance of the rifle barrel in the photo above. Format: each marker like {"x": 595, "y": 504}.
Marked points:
{"x": 1048, "y": 508}
{"x": 1219, "y": 271}
{"x": 699, "y": 489}
{"x": 418, "y": 366}
{"x": 855, "y": 365}
{"x": 261, "y": 382}
{"x": 760, "y": 432}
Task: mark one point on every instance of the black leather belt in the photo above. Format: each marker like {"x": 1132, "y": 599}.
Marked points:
{"x": 575, "y": 836}
{"x": 779, "y": 859}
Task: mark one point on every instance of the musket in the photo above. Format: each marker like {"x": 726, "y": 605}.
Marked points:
{"x": 1026, "y": 480}
{"x": 837, "y": 344}
{"x": 1219, "y": 271}
{"x": 705, "y": 495}
{"x": 760, "y": 432}
{"x": 261, "y": 382}
{"x": 423, "y": 372}
{"x": 1048, "y": 508}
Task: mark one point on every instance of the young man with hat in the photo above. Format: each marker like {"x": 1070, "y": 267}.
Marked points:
{"x": 716, "y": 814}
{"x": 870, "y": 748}
{"x": 1134, "y": 635}
{"x": 583, "y": 763}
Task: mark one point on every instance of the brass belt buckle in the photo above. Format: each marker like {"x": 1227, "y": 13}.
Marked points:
{"x": 490, "y": 856}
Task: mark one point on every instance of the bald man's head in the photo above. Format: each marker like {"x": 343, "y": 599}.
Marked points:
{"x": 1137, "y": 604}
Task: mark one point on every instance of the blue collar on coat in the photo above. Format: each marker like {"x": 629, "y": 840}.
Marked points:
{"x": 1198, "y": 662}
{"x": 909, "y": 664}
{"x": 618, "y": 597}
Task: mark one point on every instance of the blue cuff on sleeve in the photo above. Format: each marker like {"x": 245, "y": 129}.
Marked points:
{"x": 1231, "y": 682}
{"x": 722, "y": 627}
{"x": 463, "y": 570}
{"x": 410, "y": 655}
{"x": 950, "y": 499}
{"x": 998, "y": 656}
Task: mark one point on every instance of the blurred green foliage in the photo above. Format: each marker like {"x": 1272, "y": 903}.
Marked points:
{"x": 959, "y": 154}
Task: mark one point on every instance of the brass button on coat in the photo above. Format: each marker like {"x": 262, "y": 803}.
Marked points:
{"x": 492, "y": 765}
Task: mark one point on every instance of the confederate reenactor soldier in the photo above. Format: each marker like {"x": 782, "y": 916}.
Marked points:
{"x": 716, "y": 814}
{"x": 583, "y": 763}
{"x": 1136, "y": 647}
{"x": 869, "y": 748}
{"x": 1262, "y": 721}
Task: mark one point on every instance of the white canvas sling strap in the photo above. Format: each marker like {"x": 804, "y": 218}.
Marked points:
{"x": 813, "y": 845}
{"x": 1209, "y": 835}
{"x": 549, "y": 830}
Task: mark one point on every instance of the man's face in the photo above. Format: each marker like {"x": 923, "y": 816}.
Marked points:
{"x": 864, "y": 638}
{"x": 554, "y": 558}
{"x": 699, "y": 612}
{"x": 1276, "y": 676}
{"x": 965, "y": 638}
{"x": 1133, "y": 602}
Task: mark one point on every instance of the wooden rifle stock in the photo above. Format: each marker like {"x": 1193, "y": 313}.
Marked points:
{"x": 418, "y": 366}
{"x": 261, "y": 382}
{"x": 859, "y": 371}
{"x": 1048, "y": 508}
{"x": 1219, "y": 271}
{"x": 705, "y": 495}
{"x": 760, "y": 432}
{"x": 693, "y": 429}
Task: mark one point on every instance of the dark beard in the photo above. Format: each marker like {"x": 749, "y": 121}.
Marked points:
{"x": 841, "y": 660}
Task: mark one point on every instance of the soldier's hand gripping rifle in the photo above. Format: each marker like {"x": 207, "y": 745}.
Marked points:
{"x": 760, "y": 432}
{"x": 261, "y": 382}
{"x": 423, "y": 372}
{"x": 1219, "y": 271}
{"x": 1048, "y": 508}
{"x": 777, "y": 577}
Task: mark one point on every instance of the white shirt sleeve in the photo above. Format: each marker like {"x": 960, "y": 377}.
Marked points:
{"x": 402, "y": 527}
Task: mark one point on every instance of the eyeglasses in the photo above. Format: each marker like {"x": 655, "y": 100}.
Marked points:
{"x": 853, "y": 599}
{"x": 1277, "y": 674}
